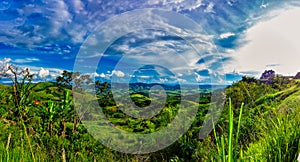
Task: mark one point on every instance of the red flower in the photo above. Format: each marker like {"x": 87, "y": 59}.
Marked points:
{"x": 37, "y": 102}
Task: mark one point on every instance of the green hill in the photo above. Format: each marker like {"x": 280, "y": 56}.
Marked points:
{"x": 47, "y": 126}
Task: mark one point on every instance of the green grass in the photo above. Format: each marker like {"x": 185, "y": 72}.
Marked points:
{"x": 231, "y": 143}
{"x": 280, "y": 134}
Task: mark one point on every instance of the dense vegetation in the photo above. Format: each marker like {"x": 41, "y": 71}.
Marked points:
{"x": 260, "y": 122}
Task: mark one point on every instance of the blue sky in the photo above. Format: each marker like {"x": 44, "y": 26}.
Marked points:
{"x": 248, "y": 36}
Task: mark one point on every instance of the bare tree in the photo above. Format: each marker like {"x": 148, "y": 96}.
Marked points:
{"x": 21, "y": 79}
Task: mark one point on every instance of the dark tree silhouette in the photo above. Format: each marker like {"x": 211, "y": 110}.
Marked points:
{"x": 248, "y": 79}
{"x": 65, "y": 79}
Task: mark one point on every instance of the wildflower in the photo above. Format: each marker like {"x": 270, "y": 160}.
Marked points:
{"x": 37, "y": 102}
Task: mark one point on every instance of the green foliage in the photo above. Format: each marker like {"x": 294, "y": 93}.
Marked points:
{"x": 231, "y": 143}
{"x": 75, "y": 79}
{"x": 266, "y": 128}
{"x": 248, "y": 79}
{"x": 65, "y": 79}
{"x": 280, "y": 139}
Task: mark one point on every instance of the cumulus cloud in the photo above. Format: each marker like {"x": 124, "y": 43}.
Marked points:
{"x": 118, "y": 73}
{"x": 38, "y": 72}
{"x": 5, "y": 61}
{"x": 102, "y": 75}
{"x": 4, "y": 64}
{"x": 108, "y": 75}
{"x": 43, "y": 73}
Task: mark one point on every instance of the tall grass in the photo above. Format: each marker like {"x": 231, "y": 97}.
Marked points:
{"x": 280, "y": 138}
{"x": 17, "y": 154}
{"x": 231, "y": 143}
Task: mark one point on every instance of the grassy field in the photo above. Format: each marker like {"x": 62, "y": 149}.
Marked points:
{"x": 260, "y": 122}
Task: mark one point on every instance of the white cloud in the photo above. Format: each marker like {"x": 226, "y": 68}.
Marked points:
{"x": 226, "y": 35}
{"x": 163, "y": 80}
{"x": 210, "y": 8}
{"x": 5, "y": 61}
{"x": 52, "y": 72}
{"x": 26, "y": 60}
{"x": 118, "y": 73}
{"x": 70, "y": 22}
{"x": 39, "y": 72}
{"x": 271, "y": 42}
{"x": 179, "y": 74}
{"x": 264, "y": 5}
{"x": 102, "y": 75}
{"x": 181, "y": 80}
{"x": 200, "y": 78}
{"x": 78, "y": 6}
{"x": 43, "y": 73}
{"x": 95, "y": 75}
{"x": 144, "y": 77}
{"x": 124, "y": 47}
{"x": 178, "y": 5}
{"x": 4, "y": 64}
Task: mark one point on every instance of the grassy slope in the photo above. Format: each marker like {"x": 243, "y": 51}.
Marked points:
{"x": 278, "y": 126}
